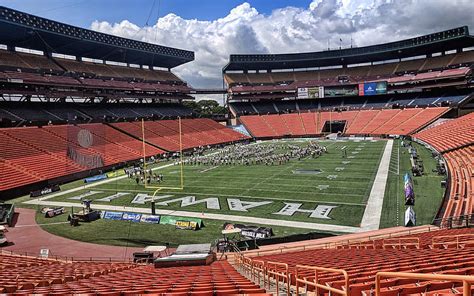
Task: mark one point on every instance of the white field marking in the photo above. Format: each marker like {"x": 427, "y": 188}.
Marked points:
{"x": 208, "y": 169}
{"x": 246, "y": 196}
{"x": 212, "y": 216}
{"x": 398, "y": 185}
{"x": 373, "y": 210}
{"x": 297, "y": 179}
{"x": 108, "y": 180}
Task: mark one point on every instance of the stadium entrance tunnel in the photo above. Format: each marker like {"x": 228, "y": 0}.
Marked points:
{"x": 335, "y": 126}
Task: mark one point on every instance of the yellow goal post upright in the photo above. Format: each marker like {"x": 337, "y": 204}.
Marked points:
{"x": 181, "y": 165}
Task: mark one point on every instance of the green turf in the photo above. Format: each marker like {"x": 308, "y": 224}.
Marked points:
{"x": 427, "y": 188}
{"x": 348, "y": 192}
{"x": 124, "y": 233}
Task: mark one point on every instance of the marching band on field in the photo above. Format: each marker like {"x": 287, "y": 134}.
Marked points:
{"x": 271, "y": 154}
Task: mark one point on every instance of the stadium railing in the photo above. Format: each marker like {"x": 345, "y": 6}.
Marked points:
{"x": 279, "y": 273}
{"x": 450, "y": 241}
{"x": 402, "y": 242}
{"x": 467, "y": 281}
{"x": 455, "y": 222}
{"x": 67, "y": 259}
{"x": 301, "y": 277}
{"x": 342, "y": 242}
{"x": 309, "y": 277}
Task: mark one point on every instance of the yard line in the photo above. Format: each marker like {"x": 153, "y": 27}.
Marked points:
{"x": 208, "y": 169}
{"x": 242, "y": 196}
{"x": 373, "y": 211}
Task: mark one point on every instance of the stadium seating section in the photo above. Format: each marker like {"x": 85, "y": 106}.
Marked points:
{"x": 451, "y": 134}
{"x": 455, "y": 138}
{"x": 360, "y": 122}
{"x": 441, "y": 67}
{"x": 23, "y": 276}
{"x": 38, "y": 69}
{"x": 29, "y": 155}
{"x": 363, "y": 260}
{"x": 377, "y": 102}
{"x": 63, "y": 112}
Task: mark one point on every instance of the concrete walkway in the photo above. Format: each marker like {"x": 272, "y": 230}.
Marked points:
{"x": 222, "y": 217}
{"x": 28, "y": 237}
{"x": 373, "y": 210}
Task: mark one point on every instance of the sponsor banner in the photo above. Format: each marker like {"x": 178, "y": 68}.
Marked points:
{"x": 153, "y": 219}
{"x": 95, "y": 178}
{"x": 134, "y": 217}
{"x": 303, "y": 93}
{"x": 361, "y": 89}
{"x": 250, "y": 231}
{"x": 171, "y": 220}
{"x": 408, "y": 190}
{"x": 370, "y": 89}
{"x": 50, "y": 213}
{"x": 128, "y": 216}
{"x": 115, "y": 174}
{"x": 45, "y": 191}
{"x": 410, "y": 217}
{"x": 112, "y": 215}
{"x": 186, "y": 225}
{"x": 316, "y": 92}
{"x": 340, "y": 91}
{"x": 373, "y": 88}
{"x": 381, "y": 87}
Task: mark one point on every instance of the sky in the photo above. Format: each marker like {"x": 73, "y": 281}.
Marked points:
{"x": 215, "y": 29}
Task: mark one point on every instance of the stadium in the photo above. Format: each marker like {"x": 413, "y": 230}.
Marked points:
{"x": 346, "y": 171}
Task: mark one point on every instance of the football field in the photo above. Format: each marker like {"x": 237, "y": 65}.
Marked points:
{"x": 324, "y": 194}
{"x": 332, "y": 188}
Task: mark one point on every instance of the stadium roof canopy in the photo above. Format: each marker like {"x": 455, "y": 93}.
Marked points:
{"x": 433, "y": 43}
{"x": 19, "y": 29}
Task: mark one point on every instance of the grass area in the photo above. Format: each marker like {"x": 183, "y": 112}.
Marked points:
{"x": 344, "y": 183}
{"x": 427, "y": 188}
{"x": 124, "y": 233}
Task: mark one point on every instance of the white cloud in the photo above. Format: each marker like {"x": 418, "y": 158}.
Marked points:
{"x": 291, "y": 29}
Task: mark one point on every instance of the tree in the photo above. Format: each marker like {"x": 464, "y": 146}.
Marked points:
{"x": 206, "y": 107}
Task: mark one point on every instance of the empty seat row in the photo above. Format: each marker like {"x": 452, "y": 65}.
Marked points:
{"x": 450, "y": 134}
{"x": 360, "y": 122}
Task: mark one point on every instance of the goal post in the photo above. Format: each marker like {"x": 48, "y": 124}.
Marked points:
{"x": 158, "y": 187}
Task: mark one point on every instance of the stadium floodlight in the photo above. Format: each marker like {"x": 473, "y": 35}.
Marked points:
{"x": 181, "y": 165}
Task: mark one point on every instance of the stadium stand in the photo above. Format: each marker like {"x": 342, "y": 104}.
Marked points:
{"x": 409, "y": 100}
{"x": 35, "y": 154}
{"x": 363, "y": 122}
{"x": 435, "y": 252}
{"x": 450, "y": 135}
{"x": 461, "y": 194}
{"x": 25, "y": 275}
{"x": 455, "y": 139}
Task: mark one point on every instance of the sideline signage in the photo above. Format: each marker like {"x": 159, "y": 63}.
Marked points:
{"x": 44, "y": 191}
{"x": 186, "y": 225}
{"x": 50, "y": 213}
{"x": 250, "y": 231}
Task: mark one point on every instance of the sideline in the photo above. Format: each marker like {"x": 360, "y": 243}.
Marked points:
{"x": 222, "y": 217}
{"x": 373, "y": 210}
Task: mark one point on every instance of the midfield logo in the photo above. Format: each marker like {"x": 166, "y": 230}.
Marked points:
{"x": 213, "y": 203}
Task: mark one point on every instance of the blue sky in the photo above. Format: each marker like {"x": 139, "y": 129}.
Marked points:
{"x": 83, "y": 12}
